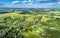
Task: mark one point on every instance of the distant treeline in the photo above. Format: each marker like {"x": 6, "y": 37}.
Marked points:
{"x": 9, "y": 10}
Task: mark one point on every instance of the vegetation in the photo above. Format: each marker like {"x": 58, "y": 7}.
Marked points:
{"x": 34, "y": 24}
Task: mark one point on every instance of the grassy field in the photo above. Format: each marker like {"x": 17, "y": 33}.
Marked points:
{"x": 42, "y": 25}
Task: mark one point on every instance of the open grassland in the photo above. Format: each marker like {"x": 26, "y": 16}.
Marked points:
{"x": 43, "y": 25}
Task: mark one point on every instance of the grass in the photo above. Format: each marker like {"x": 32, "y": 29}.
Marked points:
{"x": 14, "y": 25}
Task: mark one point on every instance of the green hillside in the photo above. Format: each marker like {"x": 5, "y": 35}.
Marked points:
{"x": 32, "y": 25}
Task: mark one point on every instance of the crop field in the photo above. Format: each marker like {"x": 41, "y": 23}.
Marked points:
{"x": 30, "y": 24}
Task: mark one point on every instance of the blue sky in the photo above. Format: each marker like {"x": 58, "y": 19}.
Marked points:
{"x": 30, "y": 3}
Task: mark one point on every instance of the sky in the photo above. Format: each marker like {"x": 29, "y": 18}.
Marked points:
{"x": 30, "y": 3}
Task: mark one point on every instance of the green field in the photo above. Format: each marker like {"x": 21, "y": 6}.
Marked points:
{"x": 30, "y": 25}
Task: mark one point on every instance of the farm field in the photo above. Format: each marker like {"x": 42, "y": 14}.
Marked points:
{"x": 30, "y": 24}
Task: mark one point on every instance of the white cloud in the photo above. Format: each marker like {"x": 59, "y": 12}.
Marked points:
{"x": 15, "y": 2}
{"x": 24, "y": 1}
{"x": 29, "y": 4}
{"x": 42, "y": 0}
{"x": 50, "y": 4}
{"x": 29, "y": 0}
{"x": 58, "y": 2}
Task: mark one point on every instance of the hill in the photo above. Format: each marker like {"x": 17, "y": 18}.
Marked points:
{"x": 41, "y": 25}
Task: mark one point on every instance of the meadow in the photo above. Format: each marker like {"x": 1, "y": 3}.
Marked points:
{"x": 30, "y": 24}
